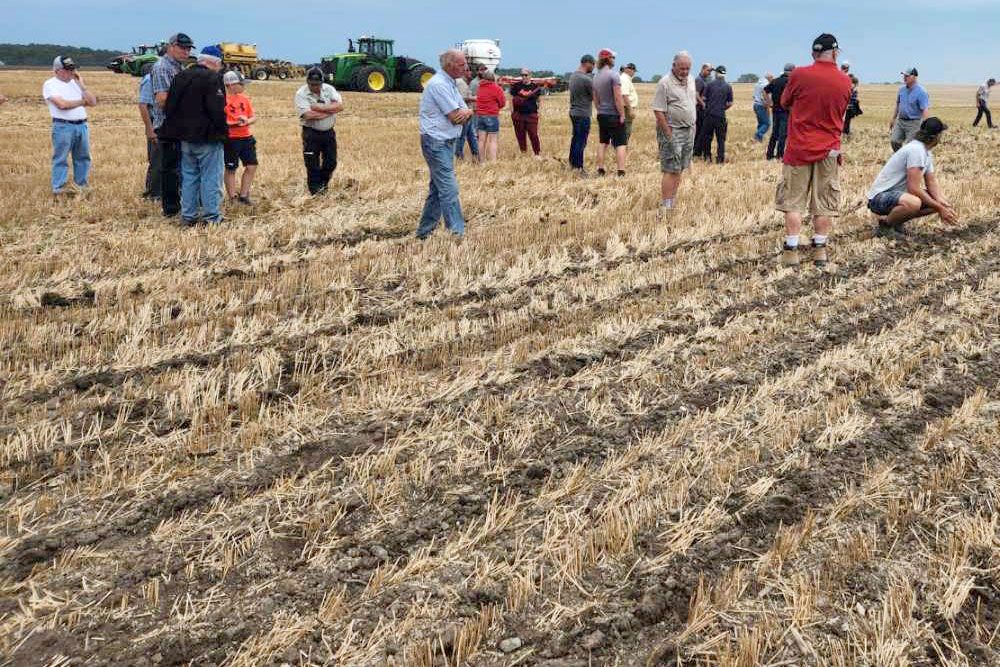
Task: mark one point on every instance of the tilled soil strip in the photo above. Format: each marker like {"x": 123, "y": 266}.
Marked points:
{"x": 188, "y": 499}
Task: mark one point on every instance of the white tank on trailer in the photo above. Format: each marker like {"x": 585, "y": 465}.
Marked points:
{"x": 481, "y": 52}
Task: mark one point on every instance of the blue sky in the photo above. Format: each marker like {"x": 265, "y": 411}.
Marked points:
{"x": 950, "y": 41}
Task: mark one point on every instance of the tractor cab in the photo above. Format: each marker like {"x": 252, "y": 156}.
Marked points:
{"x": 375, "y": 48}
{"x": 147, "y": 49}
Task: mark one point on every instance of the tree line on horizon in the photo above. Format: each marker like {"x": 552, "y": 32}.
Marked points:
{"x": 36, "y": 55}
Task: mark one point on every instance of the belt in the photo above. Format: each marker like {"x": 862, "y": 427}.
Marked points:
{"x": 902, "y": 118}
{"x": 69, "y": 122}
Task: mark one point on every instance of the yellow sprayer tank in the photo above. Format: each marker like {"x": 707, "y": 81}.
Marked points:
{"x": 238, "y": 52}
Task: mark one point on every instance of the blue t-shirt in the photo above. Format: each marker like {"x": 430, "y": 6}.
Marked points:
{"x": 146, "y": 91}
{"x": 440, "y": 98}
{"x": 913, "y": 102}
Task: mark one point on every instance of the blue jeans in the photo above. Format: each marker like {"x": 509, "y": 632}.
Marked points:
{"x": 578, "y": 144}
{"x": 69, "y": 139}
{"x": 468, "y": 134}
{"x": 443, "y": 196}
{"x": 763, "y": 121}
{"x": 201, "y": 180}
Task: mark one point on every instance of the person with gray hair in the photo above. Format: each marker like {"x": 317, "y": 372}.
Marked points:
{"x": 675, "y": 106}
{"x": 443, "y": 113}
{"x": 196, "y": 117}
{"x": 982, "y": 103}
{"x": 68, "y": 97}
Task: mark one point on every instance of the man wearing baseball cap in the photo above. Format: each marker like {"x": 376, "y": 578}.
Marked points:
{"x": 318, "y": 104}
{"x": 581, "y": 106}
{"x": 907, "y": 187}
{"x": 700, "y": 81}
{"x": 610, "y": 111}
{"x": 912, "y": 107}
{"x": 779, "y": 115}
{"x": 816, "y": 98}
{"x": 196, "y": 117}
{"x": 67, "y": 97}
{"x": 169, "y": 65}
{"x": 718, "y": 96}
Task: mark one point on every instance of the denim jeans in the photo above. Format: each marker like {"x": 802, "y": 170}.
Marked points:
{"x": 201, "y": 180}
{"x": 578, "y": 144}
{"x": 776, "y": 146}
{"x": 763, "y": 121}
{"x": 70, "y": 140}
{"x": 468, "y": 135}
{"x": 443, "y": 196}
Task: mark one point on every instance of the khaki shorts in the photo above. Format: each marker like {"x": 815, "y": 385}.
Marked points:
{"x": 812, "y": 188}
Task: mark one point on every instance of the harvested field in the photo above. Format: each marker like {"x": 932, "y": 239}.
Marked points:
{"x": 581, "y": 436}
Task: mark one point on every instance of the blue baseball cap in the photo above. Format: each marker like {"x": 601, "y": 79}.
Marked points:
{"x": 212, "y": 51}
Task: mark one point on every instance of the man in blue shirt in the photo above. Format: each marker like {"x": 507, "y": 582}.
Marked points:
{"x": 146, "y": 104}
{"x": 912, "y": 108}
{"x": 443, "y": 112}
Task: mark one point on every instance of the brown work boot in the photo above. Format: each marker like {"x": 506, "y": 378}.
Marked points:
{"x": 789, "y": 255}
{"x": 819, "y": 255}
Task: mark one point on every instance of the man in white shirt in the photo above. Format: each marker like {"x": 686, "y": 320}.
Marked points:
{"x": 899, "y": 193}
{"x": 630, "y": 96}
{"x": 318, "y": 104}
{"x": 67, "y": 96}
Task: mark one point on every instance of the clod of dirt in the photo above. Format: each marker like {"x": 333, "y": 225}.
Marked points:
{"x": 664, "y": 655}
{"x": 510, "y": 644}
{"x": 54, "y": 300}
{"x": 594, "y": 640}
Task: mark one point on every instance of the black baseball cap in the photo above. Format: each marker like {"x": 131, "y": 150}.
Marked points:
{"x": 720, "y": 69}
{"x": 588, "y": 59}
{"x": 632, "y": 67}
{"x": 314, "y": 74}
{"x": 180, "y": 39}
{"x": 825, "y": 42}
{"x": 933, "y": 126}
{"x": 63, "y": 62}
{"x": 912, "y": 71}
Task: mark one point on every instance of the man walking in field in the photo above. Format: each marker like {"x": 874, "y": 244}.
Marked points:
{"x": 912, "y": 107}
{"x": 318, "y": 104}
{"x": 675, "y": 106}
{"x": 983, "y": 104}
{"x": 907, "y": 187}
{"x": 760, "y": 109}
{"x": 817, "y": 98}
{"x": 67, "y": 98}
{"x": 581, "y": 103}
{"x": 610, "y": 112}
{"x": 779, "y": 115}
{"x": 630, "y": 97}
{"x": 162, "y": 75}
{"x": 196, "y": 117}
{"x": 443, "y": 112}
{"x": 718, "y": 99}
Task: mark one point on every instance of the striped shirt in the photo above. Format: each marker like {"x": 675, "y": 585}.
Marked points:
{"x": 162, "y": 74}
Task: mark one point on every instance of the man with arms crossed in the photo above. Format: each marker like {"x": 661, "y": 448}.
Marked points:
{"x": 899, "y": 193}
{"x": 816, "y": 98}
{"x": 675, "y": 106}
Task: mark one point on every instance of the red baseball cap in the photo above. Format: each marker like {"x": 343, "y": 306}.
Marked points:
{"x": 606, "y": 53}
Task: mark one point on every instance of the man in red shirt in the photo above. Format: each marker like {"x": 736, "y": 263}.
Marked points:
{"x": 816, "y": 98}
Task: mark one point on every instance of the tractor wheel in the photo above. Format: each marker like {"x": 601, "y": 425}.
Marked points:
{"x": 415, "y": 80}
{"x": 260, "y": 74}
{"x": 282, "y": 74}
{"x": 371, "y": 79}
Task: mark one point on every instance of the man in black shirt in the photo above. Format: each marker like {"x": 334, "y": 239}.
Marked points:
{"x": 772, "y": 98}
{"x": 524, "y": 113}
{"x": 196, "y": 116}
{"x": 700, "y": 81}
{"x": 718, "y": 98}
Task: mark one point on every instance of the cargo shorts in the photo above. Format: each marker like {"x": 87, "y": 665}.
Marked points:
{"x": 811, "y": 188}
{"x": 676, "y": 150}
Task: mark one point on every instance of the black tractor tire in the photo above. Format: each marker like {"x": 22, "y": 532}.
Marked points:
{"x": 413, "y": 81}
{"x": 282, "y": 74}
{"x": 366, "y": 79}
{"x": 260, "y": 74}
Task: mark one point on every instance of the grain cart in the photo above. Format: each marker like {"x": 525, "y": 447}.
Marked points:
{"x": 371, "y": 67}
{"x": 244, "y": 59}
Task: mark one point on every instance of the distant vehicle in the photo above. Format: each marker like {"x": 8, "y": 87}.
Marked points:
{"x": 243, "y": 58}
{"x": 134, "y": 62}
{"x": 481, "y": 52}
{"x": 372, "y": 67}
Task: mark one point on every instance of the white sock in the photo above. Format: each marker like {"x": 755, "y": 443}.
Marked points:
{"x": 819, "y": 239}
{"x": 792, "y": 241}
{"x": 667, "y": 203}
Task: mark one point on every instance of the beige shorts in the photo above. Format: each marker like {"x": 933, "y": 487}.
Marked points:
{"x": 812, "y": 188}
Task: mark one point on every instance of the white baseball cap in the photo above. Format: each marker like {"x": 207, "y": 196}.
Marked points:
{"x": 231, "y": 77}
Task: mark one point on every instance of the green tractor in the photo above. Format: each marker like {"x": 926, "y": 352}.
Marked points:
{"x": 141, "y": 56}
{"x": 371, "y": 67}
